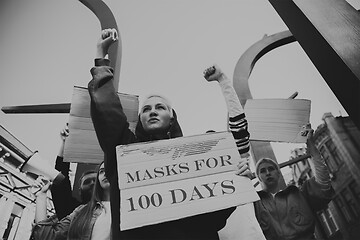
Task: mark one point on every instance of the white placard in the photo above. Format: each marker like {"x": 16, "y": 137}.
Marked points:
{"x": 171, "y": 179}
{"x": 277, "y": 120}
{"x": 82, "y": 145}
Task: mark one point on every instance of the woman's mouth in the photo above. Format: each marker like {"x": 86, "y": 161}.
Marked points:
{"x": 153, "y": 120}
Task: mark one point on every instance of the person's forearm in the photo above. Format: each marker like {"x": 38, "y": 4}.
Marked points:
{"x": 231, "y": 98}
{"x": 321, "y": 170}
{"x": 61, "y": 149}
{"x": 237, "y": 122}
{"x": 61, "y": 166}
{"x": 106, "y": 110}
{"x": 41, "y": 207}
{"x": 64, "y": 202}
{"x": 110, "y": 122}
{"x": 238, "y": 127}
{"x": 100, "y": 53}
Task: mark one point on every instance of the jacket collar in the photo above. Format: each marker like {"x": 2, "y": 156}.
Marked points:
{"x": 289, "y": 188}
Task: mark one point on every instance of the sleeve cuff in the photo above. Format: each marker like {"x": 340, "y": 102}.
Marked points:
{"x": 63, "y": 167}
{"x": 101, "y": 62}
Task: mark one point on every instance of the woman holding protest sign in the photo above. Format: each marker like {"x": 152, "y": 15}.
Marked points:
{"x": 157, "y": 120}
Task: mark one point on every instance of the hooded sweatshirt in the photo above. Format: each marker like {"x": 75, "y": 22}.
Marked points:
{"x": 112, "y": 129}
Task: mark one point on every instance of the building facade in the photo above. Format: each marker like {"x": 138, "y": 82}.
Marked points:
{"x": 17, "y": 201}
{"x": 301, "y": 170}
{"x": 338, "y": 141}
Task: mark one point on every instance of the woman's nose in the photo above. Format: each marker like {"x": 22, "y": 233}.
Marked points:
{"x": 153, "y": 112}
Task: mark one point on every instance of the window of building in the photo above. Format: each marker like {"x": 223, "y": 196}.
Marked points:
{"x": 13, "y": 222}
{"x": 325, "y": 224}
{"x": 330, "y": 154}
{"x": 333, "y": 152}
{"x": 325, "y": 154}
{"x": 328, "y": 222}
{"x": 332, "y": 221}
{"x": 351, "y": 203}
{"x": 355, "y": 189}
{"x": 343, "y": 209}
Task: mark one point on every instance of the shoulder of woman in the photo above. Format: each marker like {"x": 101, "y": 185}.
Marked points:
{"x": 78, "y": 209}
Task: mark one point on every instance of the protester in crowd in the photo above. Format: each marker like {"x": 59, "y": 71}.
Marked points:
{"x": 157, "y": 120}
{"x": 62, "y": 194}
{"x": 290, "y": 213}
{"x": 249, "y": 228}
{"x": 90, "y": 221}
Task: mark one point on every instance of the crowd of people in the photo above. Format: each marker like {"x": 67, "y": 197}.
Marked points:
{"x": 287, "y": 213}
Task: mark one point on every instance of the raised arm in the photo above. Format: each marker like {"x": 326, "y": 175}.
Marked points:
{"x": 214, "y": 73}
{"x": 110, "y": 122}
{"x": 237, "y": 122}
{"x": 321, "y": 170}
{"x": 43, "y": 185}
{"x": 108, "y": 37}
{"x": 60, "y": 165}
{"x": 64, "y": 202}
{"x": 64, "y": 133}
{"x": 44, "y": 227}
{"x": 318, "y": 190}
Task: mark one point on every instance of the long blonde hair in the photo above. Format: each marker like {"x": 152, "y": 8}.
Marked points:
{"x": 80, "y": 225}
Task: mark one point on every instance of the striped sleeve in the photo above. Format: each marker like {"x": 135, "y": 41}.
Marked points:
{"x": 239, "y": 128}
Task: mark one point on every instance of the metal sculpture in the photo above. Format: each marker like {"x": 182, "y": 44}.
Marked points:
{"x": 241, "y": 76}
{"x": 107, "y": 20}
{"x": 329, "y": 33}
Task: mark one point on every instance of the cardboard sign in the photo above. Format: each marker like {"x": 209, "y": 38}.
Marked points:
{"x": 171, "y": 179}
{"x": 277, "y": 120}
{"x": 82, "y": 145}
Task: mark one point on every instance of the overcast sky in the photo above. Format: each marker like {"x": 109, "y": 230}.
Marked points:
{"x": 47, "y": 47}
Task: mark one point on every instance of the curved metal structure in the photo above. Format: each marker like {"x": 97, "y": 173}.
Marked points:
{"x": 241, "y": 76}
{"x": 107, "y": 20}
{"x": 248, "y": 59}
{"x": 329, "y": 32}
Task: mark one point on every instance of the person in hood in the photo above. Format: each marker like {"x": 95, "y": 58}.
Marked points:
{"x": 290, "y": 212}
{"x": 157, "y": 120}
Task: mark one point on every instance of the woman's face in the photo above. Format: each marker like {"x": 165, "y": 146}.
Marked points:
{"x": 155, "y": 115}
{"x": 104, "y": 182}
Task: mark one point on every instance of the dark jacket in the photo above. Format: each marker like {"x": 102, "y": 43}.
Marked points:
{"x": 64, "y": 202}
{"x": 112, "y": 129}
{"x": 290, "y": 214}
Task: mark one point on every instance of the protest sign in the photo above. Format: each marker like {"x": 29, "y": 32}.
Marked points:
{"x": 170, "y": 179}
{"x": 277, "y": 120}
{"x": 82, "y": 145}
